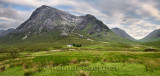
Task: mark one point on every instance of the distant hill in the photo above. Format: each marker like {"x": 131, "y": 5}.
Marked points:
{"x": 152, "y": 39}
{"x": 5, "y": 32}
{"x": 122, "y": 33}
{"x": 155, "y": 35}
{"x": 1, "y": 32}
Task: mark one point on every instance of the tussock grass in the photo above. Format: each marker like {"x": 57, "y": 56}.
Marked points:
{"x": 16, "y": 64}
{"x": 74, "y": 61}
{"x": 29, "y": 72}
{"x": 152, "y": 65}
{"x": 104, "y": 60}
{"x": 50, "y": 64}
{"x": 2, "y": 68}
{"x": 132, "y": 60}
{"x": 25, "y": 66}
{"x": 84, "y": 63}
{"x": 83, "y": 73}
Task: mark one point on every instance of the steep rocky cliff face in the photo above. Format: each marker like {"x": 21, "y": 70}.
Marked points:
{"x": 47, "y": 18}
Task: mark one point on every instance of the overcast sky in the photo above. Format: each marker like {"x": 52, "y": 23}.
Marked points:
{"x": 137, "y": 17}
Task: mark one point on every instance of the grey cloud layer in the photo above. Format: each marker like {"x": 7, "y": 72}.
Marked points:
{"x": 132, "y": 15}
{"x": 12, "y": 18}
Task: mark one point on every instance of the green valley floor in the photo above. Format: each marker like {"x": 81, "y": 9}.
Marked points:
{"x": 83, "y": 63}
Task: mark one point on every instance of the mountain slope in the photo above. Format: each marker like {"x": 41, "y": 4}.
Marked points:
{"x": 1, "y": 32}
{"x": 155, "y": 35}
{"x": 122, "y": 33}
{"x": 47, "y": 24}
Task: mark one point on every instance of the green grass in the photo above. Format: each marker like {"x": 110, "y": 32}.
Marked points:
{"x": 112, "y": 69}
{"x": 45, "y": 40}
{"x": 44, "y": 63}
{"x": 53, "y": 43}
{"x": 16, "y": 71}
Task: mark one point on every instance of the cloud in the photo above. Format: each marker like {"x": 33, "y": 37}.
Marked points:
{"x": 12, "y": 18}
{"x": 141, "y": 28}
{"x": 37, "y": 3}
{"x": 136, "y": 17}
{"x": 131, "y": 15}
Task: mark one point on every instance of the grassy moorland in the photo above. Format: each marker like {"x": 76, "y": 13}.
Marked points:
{"x": 82, "y": 63}
{"x": 93, "y": 58}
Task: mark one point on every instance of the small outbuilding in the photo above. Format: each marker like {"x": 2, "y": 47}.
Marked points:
{"x": 70, "y": 45}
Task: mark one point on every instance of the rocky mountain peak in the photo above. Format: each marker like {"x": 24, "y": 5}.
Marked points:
{"x": 116, "y": 28}
{"x": 89, "y": 16}
{"x": 44, "y": 6}
{"x": 49, "y": 19}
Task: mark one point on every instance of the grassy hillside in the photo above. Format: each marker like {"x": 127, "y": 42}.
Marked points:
{"x": 152, "y": 36}
{"x": 53, "y": 40}
{"x": 152, "y": 42}
{"x": 155, "y": 43}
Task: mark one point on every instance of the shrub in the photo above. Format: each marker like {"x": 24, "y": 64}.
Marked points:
{"x": 13, "y": 52}
{"x": 77, "y": 45}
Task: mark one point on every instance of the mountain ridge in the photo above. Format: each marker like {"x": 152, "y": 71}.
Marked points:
{"x": 154, "y": 35}
{"x": 122, "y": 33}
{"x": 5, "y": 32}
{"x": 48, "y": 18}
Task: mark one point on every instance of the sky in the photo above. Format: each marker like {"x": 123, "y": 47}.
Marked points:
{"x": 137, "y": 17}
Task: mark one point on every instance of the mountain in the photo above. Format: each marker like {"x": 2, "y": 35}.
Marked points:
{"x": 122, "y": 33}
{"x": 5, "y": 32}
{"x": 46, "y": 19}
{"x": 1, "y": 32}
{"x": 48, "y": 24}
{"x": 155, "y": 35}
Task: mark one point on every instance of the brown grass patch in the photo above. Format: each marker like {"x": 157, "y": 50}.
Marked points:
{"x": 83, "y": 73}
{"x": 2, "y": 68}
{"x": 28, "y": 72}
{"x": 74, "y": 61}
{"x": 84, "y": 63}
{"x": 50, "y": 64}
{"x": 152, "y": 65}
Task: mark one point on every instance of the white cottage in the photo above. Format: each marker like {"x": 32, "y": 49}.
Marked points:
{"x": 69, "y": 45}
